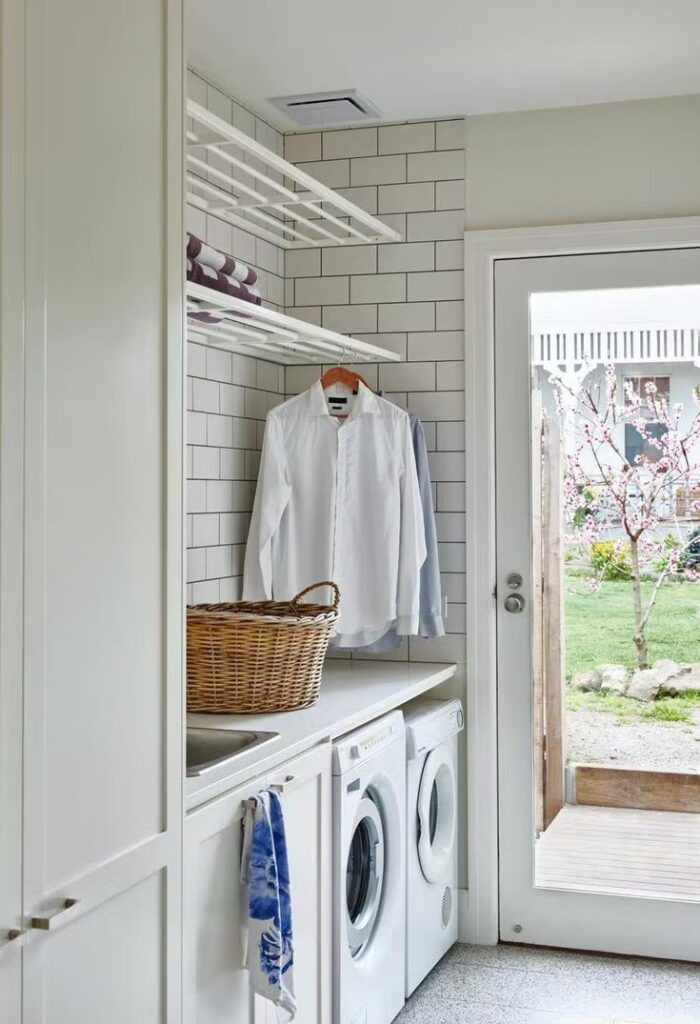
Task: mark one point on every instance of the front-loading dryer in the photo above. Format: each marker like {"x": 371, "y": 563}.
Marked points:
{"x": 369, "y": 873}
{"x": 431, "y": 825}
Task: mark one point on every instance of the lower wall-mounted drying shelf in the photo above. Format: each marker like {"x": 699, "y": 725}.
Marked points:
{"x": 252, "y": 330}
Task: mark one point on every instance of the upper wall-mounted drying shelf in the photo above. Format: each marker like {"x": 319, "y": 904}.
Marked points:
{"x": 265, "y": 334}
{"x": 254, "y": 188}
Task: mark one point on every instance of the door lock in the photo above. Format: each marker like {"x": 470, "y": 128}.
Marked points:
{"x": 514, "y": 603}
{"x": 514, "y": 581}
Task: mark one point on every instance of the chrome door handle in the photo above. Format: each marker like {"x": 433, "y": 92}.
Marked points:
{"x": 514, "y": 603}
{"x": 51, "y": 921}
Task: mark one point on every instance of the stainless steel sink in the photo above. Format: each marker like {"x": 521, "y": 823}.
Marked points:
{"x": 211, "y": 748}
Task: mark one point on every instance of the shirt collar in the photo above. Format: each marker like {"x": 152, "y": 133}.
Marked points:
{"x": 366, "y": 402}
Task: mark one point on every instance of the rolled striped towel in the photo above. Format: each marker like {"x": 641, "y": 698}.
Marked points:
{"x": 207, "y": 256}
{"x": 220, "y": 282}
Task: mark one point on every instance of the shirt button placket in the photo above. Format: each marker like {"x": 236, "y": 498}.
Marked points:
{"x": 339, "y": 497}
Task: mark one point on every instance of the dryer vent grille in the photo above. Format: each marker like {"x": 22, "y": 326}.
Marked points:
{"x": 446, "y": 906}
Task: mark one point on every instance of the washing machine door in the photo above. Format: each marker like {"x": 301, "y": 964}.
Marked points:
{"x": 364, "y": 879}
{"x": 437, "y": 813}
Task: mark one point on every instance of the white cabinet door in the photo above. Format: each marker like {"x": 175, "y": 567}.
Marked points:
{"x": 106, "y": 965}
{"x": 11, "y": 502}
{"x": 216, "y": 989}
{"x": 216, "y": 986}
{"x": 306, "y": 799}
{"x": 103, "y": 600}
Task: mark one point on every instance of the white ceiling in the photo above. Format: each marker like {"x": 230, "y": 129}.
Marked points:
{"x": 416, "y": 58}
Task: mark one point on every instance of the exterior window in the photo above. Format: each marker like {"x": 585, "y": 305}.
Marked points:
{"x": 634, "y": 443}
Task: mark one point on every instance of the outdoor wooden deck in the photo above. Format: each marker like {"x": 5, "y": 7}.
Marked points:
{"x": 616, "y": 850}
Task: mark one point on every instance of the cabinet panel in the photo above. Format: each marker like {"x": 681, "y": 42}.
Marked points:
{"x": 10, "y": 991}
{"x": 102, "y": 502}
{"x": 216, "y": 986}
{"x": 216, "y": 989}
{"x": 107, "y": 965}
{"x": 11, "y": 497}
{"x": 306, "y": 799}
{"x": 96, "y": 415}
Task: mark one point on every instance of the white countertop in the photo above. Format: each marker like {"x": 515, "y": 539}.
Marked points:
{"x": 352, "y": 693}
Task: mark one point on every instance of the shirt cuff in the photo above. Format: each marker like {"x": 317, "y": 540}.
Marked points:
{"x": 407, "y": 625}
{"x": 431, "y": 625}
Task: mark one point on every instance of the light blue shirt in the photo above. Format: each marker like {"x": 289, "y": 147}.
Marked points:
{"x": 430, "y": 622}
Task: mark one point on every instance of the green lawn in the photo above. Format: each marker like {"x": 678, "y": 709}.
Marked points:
{"x": 599, "y": 625}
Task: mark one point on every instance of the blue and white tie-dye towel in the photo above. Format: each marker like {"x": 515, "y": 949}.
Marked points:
{"x": 269, "y": 955}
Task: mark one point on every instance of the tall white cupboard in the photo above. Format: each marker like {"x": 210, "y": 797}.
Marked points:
{"x": 91, "y": 600}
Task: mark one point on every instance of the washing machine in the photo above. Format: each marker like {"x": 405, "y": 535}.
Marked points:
{"x": 369, "y": 873}
{"x": 431, "y": 824}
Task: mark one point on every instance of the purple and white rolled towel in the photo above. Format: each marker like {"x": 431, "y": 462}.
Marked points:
{"x": 220, "y": 282}
{"x": 207, "y": 256}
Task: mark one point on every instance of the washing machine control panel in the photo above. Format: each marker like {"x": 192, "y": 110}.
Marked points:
{"x": 440, "y": 720}
{"x": 360, "y": 746}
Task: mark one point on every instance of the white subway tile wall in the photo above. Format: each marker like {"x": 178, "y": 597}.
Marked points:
{"x": 406, "y": 296}
{"x": 228, "y": 395}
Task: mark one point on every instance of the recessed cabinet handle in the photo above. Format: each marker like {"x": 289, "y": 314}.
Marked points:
{"x": 51, "y": 921}
{"x": 15, "y": 938}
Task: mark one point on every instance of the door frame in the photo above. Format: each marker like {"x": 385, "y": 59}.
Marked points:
{"x": 479, "y": 909}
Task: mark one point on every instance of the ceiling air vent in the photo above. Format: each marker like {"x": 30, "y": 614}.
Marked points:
{"x": 345, "y": 106}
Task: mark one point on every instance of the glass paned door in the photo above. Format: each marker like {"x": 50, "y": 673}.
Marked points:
{"x": 598, "y": 556}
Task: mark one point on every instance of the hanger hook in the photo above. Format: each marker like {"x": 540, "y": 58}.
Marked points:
{"x": 341, "y": 357}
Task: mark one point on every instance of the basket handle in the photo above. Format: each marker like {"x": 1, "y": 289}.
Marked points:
{"x": 314, "y": 586}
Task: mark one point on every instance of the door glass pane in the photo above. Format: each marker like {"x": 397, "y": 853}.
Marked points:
{"x": 615, "y": 378}
{"x": 359, "y": 870}
{"x": 434, "y": 811}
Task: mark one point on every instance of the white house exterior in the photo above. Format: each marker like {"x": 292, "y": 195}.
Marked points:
{"x": 647, "y": 334}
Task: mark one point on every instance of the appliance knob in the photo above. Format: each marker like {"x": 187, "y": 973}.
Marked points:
{"x": 354, "y": 751}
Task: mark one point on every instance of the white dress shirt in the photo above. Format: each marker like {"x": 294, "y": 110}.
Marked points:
{"x": 338, "y": 499}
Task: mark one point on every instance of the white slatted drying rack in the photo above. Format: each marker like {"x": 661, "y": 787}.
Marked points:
{"x": 265, "y": 334}
{"x": 264, "y": 194}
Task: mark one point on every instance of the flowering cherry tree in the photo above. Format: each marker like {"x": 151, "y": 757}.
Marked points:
{"x": 635, "y": 498}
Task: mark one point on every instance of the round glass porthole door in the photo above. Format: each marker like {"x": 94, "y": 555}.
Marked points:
{"x": 364, "y": 876}
{"x": 436, "y": 814}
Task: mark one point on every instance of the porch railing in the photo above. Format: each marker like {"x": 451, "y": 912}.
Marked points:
{"x": 652, "y": 344}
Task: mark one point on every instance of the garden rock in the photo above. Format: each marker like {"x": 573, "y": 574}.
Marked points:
{"x": 613, "y": 678}
{"x": 644, "y": 685}
{"x": 665, "y": 668}
{"x": 687, "y": 678}
{"x": 587, "y": 680}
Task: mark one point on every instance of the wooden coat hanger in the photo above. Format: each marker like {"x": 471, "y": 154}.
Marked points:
{"x": 342, "y": 375}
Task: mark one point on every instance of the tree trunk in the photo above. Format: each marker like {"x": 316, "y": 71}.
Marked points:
{"x": 639, "y": 638}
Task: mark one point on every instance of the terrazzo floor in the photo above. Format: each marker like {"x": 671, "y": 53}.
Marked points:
{"x": 516, "y": 985}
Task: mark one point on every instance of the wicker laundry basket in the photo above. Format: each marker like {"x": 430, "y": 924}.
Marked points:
{"x": 255, "y": 657}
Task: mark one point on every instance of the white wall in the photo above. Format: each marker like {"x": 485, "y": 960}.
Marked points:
{"x": 605, "y": 162}
{"x": 408, "y": 297}
{"x": 228, "y": 396}
{"x": 613, "y": 161}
